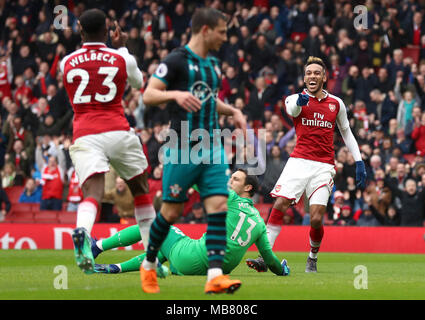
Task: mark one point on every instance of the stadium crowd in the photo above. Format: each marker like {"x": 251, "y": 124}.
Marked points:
{"x": 262, "y": 62}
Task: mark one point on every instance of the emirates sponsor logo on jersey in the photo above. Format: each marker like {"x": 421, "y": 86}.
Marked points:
{"x": 332, "y": 107}
{"x": 317, "y": 121}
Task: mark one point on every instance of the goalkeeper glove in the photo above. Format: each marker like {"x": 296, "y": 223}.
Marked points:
{"x": 285, "y": 268}
{"x": 302, "y": 99}
{"x": 360, "y": 174}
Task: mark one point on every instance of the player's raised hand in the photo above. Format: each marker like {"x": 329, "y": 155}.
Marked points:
{"x": 188, "y": 101}
{"x": 118, "y": 38}
{"x": 239, "y": 120}
{"x": 302, "y": 99}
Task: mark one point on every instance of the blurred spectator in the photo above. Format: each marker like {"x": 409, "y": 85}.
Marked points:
{"x": 196, "y": 215}
{"x": 412, "y": 203}
{"x": 274, "y": 167}
{"x": 5, "y": 204}
{"x": 32, "y": 192}
{"x": 107, "y": 212}
{"x": 367, "y": 218}
{"x": 75, "y": 194}
{"x": 418, "y": 133}
{"x": 405, "y": 109}
{"x": 260, "y": 98}
{"x": 52, "y": 180}
{"x": 346, "y": 217}
{"x": 123, "y": 200}
{"x": 19, "y": 157}
{"x": 155, "y": 187}
{"x": 8, "y": 175}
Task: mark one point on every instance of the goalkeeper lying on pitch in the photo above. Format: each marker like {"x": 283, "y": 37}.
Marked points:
{"x": 188, "y": 256}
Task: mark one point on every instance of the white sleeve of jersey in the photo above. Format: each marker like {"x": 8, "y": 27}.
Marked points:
{"x": 291, "y": 105}
{"x": 347, "y": 135}
{"x": 135, "y": 76}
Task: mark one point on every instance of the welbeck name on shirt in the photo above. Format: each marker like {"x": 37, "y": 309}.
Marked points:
{"x": 93, "y": 56}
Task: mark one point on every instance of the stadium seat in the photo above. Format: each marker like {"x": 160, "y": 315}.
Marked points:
{"x": 264, "y": 209}
{"x": 14, "y": 193}
{"x": 67, "y": 217}
{"x": 413, "y": 52}
{"x": 22, "y": 207}
{"x": 20, "y": 217}
{"x": 35, "y": 207}
{"x": 47, "y": 216}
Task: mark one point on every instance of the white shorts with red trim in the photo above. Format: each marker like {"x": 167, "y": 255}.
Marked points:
{"x": 301, "y": 175}
{"x": 94, "y": 153}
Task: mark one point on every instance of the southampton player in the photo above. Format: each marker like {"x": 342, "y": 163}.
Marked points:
{"x": 310, "y": 167}
{"x": 188, "y": 256}
{"x": 189, "y": 80}
{"x": 95, "y": 78}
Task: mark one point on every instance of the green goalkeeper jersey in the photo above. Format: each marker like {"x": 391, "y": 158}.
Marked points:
{"x": 244, "y": 227}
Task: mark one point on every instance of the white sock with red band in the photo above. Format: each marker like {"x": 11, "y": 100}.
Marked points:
{"x": 145, "y": 214}
{"x": 86, "y": 214}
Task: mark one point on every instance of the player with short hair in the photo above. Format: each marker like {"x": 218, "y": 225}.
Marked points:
{"x": 189, "y": 80}
{"x": 95, "y": 78}
{"x": 311, "y": 166}
{"x": 188, "y": 256}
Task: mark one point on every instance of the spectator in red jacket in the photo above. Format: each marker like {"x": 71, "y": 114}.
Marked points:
{"x": 418, "y": 134}
{"x": 52, "y": 178}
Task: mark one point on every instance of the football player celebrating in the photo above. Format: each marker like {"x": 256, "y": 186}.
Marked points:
{"x": 310, "y": 167}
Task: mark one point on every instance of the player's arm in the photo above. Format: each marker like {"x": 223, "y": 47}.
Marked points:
{"x": 295, "y": 102}
{"x": 351, "y": 143}
{"x": 228, "y": 110}
{"x": 118, "y": 40}
{"x": 134, "y": 75}
{"x": 156, "y": 94}
{"x": 269, "y": 257}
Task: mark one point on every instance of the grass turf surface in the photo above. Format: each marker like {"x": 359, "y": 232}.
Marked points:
{"x": 30, "y": 275}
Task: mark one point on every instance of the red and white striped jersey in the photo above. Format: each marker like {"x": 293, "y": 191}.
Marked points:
{"x": 95, "y": 77}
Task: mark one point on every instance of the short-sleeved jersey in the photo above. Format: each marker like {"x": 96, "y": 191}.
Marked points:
{"x": 95, "y": 77}
{"x": 184, "y": 70}
{"x": 244, "y": 227}
{"x": 315, "y": 127}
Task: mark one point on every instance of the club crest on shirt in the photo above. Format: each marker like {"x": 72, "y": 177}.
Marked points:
{"x": 278, "y": 187}
{"x": 175, "y": 190}
{"x": 332, "y": 107}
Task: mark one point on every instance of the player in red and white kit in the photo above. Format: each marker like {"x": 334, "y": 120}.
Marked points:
{"x": 95, "y": 78}
{"x": 311, "y": 166}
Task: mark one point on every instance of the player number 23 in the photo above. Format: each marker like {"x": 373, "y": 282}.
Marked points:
{"x": 110, "y": 73}
{"x": 235, "y": 233}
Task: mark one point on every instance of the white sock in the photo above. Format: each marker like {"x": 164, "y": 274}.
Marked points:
{"x": 214, "y": 272}
{"x": 145, "y": 215}
{"x": 86, "y": 215}
{"x": 99, "y": 244}
{"x": 313, "y": 244}
{"x": 272, "y": 233}
{"x": 147, "y": 265}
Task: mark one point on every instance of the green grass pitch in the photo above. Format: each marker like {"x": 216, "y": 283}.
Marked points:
{"x": 31, "y": 275}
